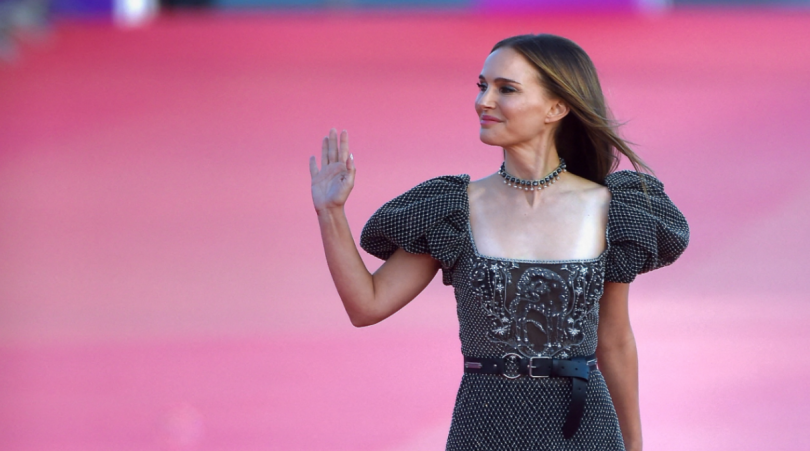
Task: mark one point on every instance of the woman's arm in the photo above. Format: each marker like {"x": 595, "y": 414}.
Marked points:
{"x": 618, "y": 360}
{"x": 368, "y": 298}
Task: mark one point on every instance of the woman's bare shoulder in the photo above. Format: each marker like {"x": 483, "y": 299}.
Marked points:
{"x": 589, "y": 192}
{"x": 477, "y": 188}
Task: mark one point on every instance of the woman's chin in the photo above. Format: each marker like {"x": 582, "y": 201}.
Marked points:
{"x": 488, "y": 138}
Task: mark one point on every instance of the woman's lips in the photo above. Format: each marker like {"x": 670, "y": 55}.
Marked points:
{"x": 486, "y": 120}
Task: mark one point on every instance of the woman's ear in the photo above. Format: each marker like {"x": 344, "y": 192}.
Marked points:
{"x": 558, "y": 111}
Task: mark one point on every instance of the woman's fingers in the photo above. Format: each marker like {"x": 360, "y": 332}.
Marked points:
{"x": 313, "y": 166}
{"x": 343, "y": 150}
{"x": 324, "y": 151}
{"x": 333, "y": 146}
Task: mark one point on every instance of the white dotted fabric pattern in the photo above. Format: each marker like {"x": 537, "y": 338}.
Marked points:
{"x": 533, "y": 308}
{"x": 646, "y": 230}
{"x": 429, "y": 219}
{"x": 495, "y": 413}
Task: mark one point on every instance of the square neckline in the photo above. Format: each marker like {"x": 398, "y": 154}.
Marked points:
{"x": 533, "y": 261}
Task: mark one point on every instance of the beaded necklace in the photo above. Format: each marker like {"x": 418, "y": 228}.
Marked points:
{"x": 531, "y": 185}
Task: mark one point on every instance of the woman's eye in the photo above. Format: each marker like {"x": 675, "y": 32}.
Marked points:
{"x": 507, "y": 89}
{"x": 481, "y": 86}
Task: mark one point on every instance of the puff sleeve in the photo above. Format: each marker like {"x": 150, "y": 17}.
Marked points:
{"x": 430, "y": 218}
{"x": 645, "y": 231}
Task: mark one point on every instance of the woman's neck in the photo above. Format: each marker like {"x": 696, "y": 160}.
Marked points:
{"x": 531, "y": 163}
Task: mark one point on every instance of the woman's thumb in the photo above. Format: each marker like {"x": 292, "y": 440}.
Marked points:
{"x": 350, "y": 163}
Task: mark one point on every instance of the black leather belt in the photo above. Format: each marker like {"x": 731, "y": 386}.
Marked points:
{"x": 513, "y": 366}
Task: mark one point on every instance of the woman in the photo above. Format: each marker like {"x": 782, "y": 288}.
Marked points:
{"x": 540, "y": 255}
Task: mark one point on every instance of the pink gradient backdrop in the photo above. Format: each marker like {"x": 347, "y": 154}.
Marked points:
{"x": 162, "y": 284}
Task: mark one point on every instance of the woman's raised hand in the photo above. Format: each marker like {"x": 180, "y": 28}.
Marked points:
{"x": 332, "y": 184}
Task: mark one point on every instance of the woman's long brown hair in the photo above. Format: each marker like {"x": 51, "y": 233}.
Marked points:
{"x": 586, "y": 138}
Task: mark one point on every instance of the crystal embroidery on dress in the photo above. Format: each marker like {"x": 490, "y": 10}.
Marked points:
{"x": 537, "y": 310}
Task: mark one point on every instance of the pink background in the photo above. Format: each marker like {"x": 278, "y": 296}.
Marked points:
{"x": 162, "y": 283}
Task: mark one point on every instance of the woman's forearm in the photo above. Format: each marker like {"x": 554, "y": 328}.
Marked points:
{"x": 619, "y": 365}
{"x": 354, "y": 283}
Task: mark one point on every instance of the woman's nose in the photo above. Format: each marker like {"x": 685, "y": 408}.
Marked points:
{"x": 484, "y": 99}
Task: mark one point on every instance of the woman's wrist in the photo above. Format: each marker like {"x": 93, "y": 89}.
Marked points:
{"x": 331, "y": 211}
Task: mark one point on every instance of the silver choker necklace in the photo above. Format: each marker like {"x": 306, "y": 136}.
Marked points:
{"x": 531, "y": 185}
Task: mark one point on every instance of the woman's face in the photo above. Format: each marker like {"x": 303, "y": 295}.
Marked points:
{"x": 513, "y": 107}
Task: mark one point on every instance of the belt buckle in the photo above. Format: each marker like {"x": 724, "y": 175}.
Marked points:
{"x": 531, "y": 367}
{"x": 517, "y": 359}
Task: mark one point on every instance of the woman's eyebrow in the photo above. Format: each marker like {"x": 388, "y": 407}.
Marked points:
{"x": 500, "y": 79}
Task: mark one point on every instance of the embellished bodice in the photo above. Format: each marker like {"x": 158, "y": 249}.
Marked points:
{"x": 529, "y": 307}
{"x": 535, "y": 308}
{"x": 547, "y": 309}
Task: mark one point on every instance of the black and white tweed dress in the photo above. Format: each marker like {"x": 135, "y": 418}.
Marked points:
{"x": 529, "y": 307}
